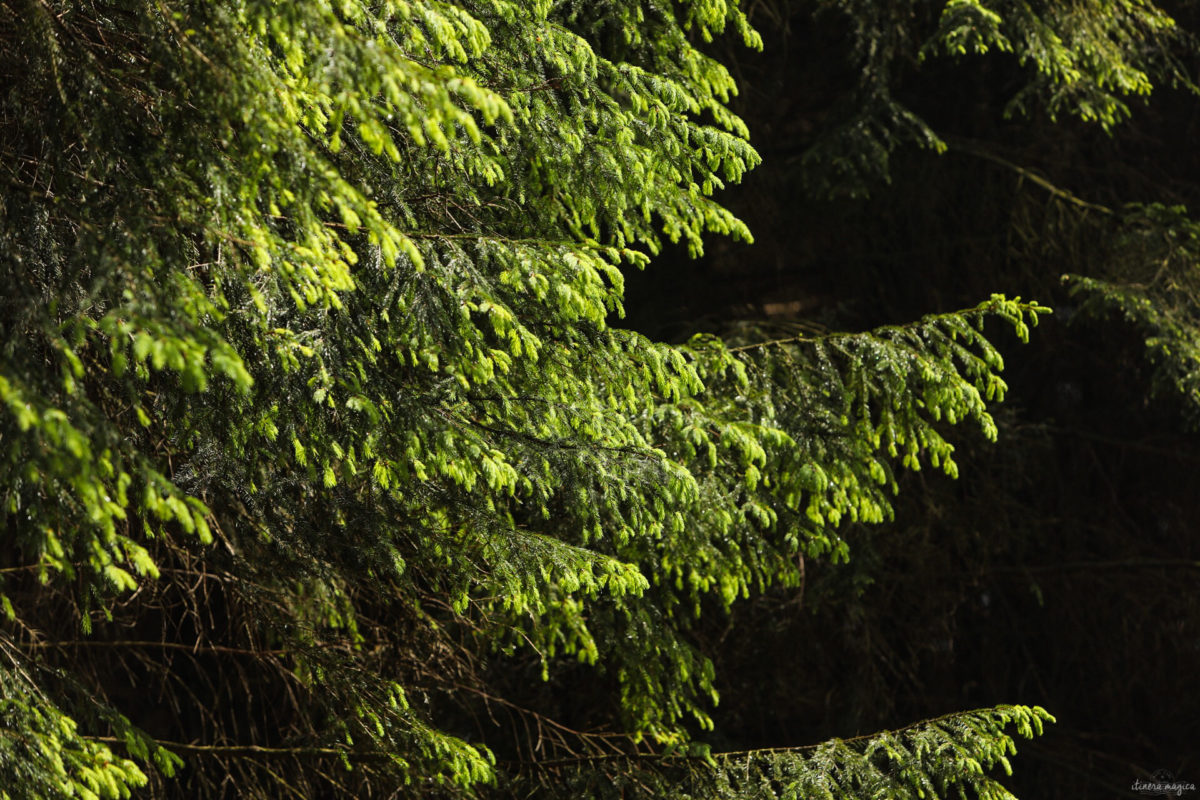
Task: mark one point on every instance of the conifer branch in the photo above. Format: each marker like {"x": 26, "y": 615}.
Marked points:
{"x": 256, "y": 751}
{"x": 193, "y": 649}
{"x": 974, "y": 312}
{"x": 962, "y": 145}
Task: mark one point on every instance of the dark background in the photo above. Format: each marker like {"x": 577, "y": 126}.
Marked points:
{"x": 1060, "y": 569}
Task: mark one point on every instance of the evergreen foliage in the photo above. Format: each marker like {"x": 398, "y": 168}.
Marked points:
{"x": 317, "y": 427}
{"x": 1149, "y": 280}
{"x": 1061, "y": 569}
{"x": 937, "y": 758}
{"x": 1084, "y": 60}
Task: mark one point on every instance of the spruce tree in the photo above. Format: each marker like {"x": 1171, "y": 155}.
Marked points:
{"x": 1060, "y": 570}
{"x": 328, "y": 468}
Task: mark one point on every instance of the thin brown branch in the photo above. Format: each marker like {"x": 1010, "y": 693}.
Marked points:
{"x": 1089, "y": 566}
{"x": 255, "y": 751}
{"x": 964, "y": 146}
{"x": 196, "y": 649}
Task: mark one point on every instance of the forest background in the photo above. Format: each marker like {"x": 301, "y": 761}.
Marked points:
{"x": 391, "y": 406}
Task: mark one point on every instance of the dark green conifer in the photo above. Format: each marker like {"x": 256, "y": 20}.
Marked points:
{"x": 322, "y": 441}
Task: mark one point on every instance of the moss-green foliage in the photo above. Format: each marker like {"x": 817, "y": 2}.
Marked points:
{"x": 308, "y": 380}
